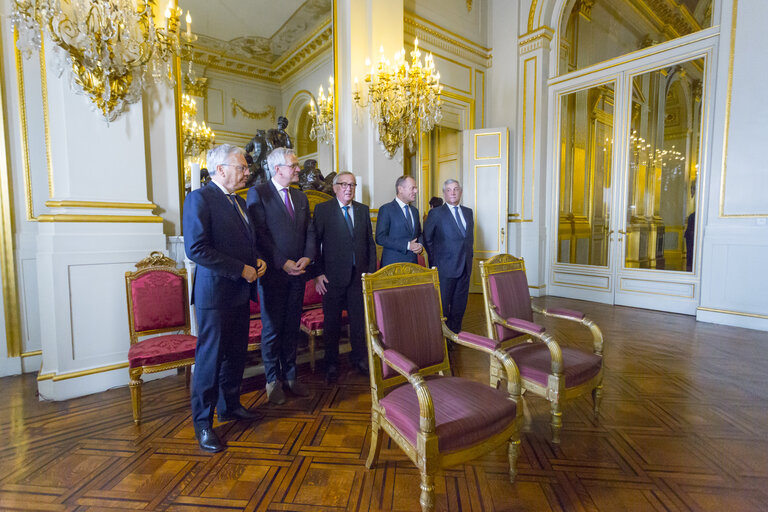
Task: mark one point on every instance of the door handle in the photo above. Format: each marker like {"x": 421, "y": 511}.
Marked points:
{"x": 503, "y": 235}
{"x": 622, "y": 232}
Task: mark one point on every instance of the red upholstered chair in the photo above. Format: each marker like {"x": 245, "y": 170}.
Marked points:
{"x": 254, "y": 328}
{"x": 436, "y": 419}
{"x": 157, "y": 304}
{"x": 547, "y": 369}
{"x": 312, "y": 318}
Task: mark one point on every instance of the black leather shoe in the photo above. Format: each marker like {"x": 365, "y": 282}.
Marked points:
{"x": 332, "y": 375}
{"x": 362, "y": 368}
{"x": 241, "y": 414}
{"x": 209, "y": 441}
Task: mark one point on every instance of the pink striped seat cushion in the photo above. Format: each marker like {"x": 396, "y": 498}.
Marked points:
{"x": 535, "y": 363}
{"x": 313, "y": 319}
{"x": 466, "y": 412}
{"x": 254, "y": 334}
{"x": 161, "y": 350}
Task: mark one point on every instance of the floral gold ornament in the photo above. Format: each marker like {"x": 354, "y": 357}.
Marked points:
{"x": 111, "y": 47}
{"x": 322, "y": 118}
{"x": 271, "y": 111}
{"x": 402, "y": 97}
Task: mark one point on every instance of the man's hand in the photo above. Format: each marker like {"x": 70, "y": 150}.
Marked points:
{"x": 291, "y": 268}
{"x": 302, "y": 263}
{"x": 261, "y": 267}
{"x": 415, "y": 246}
{"x": 320, "y": 282}
{"x": 249, "y": 273}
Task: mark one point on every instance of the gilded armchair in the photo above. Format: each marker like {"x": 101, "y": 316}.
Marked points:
{"x": 547, "y": 369}
{"x": 438, "y": 420}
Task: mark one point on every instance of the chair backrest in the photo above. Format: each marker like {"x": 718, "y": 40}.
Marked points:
{"x": 157, "y": 297}
{"x": 402, "y": 303}
{"x": 505, "y": 289}
{"x": 312, "y": 299}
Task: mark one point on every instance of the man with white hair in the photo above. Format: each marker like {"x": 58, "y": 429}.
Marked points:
{"x": 220, "y": 237}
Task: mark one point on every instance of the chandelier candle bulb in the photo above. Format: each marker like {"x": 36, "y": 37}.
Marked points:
{"x": 189, "y": 25}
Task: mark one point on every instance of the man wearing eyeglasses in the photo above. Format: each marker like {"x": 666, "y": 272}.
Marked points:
{"x": 346, "y": 250}
{"x": 220, "y": 237}
{"x": 281, "y": 214}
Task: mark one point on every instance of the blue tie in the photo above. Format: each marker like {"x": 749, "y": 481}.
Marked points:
{"x": 408, "y": 218}
{"x": 458, "y": 220}
{"x": 349, "y": 220}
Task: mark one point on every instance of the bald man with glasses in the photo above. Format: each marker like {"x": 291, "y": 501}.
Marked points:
{"x": 281, "y": 213}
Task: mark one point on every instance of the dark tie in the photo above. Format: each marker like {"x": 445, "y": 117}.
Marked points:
{"x": 458, "y": 220}
{"x": 240, "y": 213}
{"x": 349, "y": 220}
{"x": 288, "y": 204}
{"x": 408, "y": 217}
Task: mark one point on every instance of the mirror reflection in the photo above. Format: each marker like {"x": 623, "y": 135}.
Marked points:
{"x": 251, "y": 73}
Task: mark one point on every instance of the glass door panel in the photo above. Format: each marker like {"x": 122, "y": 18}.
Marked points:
{"x": 586, "y": 142}
{"x": 664, "y": 138}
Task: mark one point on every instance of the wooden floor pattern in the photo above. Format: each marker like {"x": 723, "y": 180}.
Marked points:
{"x": 682, "y": 428}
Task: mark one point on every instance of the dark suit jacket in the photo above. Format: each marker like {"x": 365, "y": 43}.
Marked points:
{"x": 393, "y": 233}
{"x": 336, "y": 246}
{"x": 218, "y": 241}
{"x": 448, "y": 249}
{"x": 284, "y": 238}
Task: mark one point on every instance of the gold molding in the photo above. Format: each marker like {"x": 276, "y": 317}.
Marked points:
{"x": 177, "y": 94}
{"x": 270, "y": 112}
{"x": 32, "y": 353}
{"x": 531, "y": 14}
{"x": 100, "y": 204}
{"x": 10, "y": 283}
{"x": 413, "y": 23}
{"x": 729, "y": 312}
{"x": 729, "y": 90}
{"x": 81, "y": 373}
{"x": 29, "y": 207}
{"x": 336, "y": 79}
{"x": 524, "y": 131}
{"x": 99, "y": 218}
{"x": 46, "y": 121}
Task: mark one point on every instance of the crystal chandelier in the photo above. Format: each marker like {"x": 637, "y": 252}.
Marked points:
{"x": 198, "y": 138}
{"x": 108, "y": 45}
{"x": 402, "y": 98}
{"x": 322, "y": 118}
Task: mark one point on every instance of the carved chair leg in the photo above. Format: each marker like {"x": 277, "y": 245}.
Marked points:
{"x": 496, "y": 373}
{"x": 427, "y": 498}
{"x": 376, "y": 439}
{"x": 557, "y": 421}
{"x": 135, "y": 387}
{"x": 597, "y": 395}
{"x": 311, "y": 344}
{"x": 513, "y": 451}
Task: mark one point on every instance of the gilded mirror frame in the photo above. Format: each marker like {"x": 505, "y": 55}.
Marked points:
{"x": 179, "y": 91}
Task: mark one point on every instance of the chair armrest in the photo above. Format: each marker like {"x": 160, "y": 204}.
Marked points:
{"x": 470, "y": 340}
{"x": 399, "y": 362}
{"x": 537, "y": 332}
{"x": 576, "y": 316}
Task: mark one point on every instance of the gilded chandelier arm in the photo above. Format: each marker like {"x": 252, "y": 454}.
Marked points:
{"x": 576, "y": 316}
{"x": 554, "y": 348}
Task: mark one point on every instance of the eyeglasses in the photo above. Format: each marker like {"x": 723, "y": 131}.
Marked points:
{"x": 346, "y": 185}
{"x": 238, "y": 168}
{"x": 292, "y": 166}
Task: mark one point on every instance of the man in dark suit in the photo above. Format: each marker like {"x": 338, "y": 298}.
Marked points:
{"x": 282, "y": 214}
{"x": 345, "y": 239}
{"x": 449, "y": 238}
{"x": 220, "y": 237}
{"x": 398, "y": 228}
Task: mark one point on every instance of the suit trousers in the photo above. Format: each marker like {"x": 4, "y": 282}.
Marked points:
{"x": 454, "y": 292}
{"x": 335, "y": 301}
{"x": 222, "y": 346}
{"x": 281, "y": 302}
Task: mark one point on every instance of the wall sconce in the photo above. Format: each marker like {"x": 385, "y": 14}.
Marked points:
{"x": 109, "y": 45}
{"x": 322, "y": 119}
{"x": 402, "y": 98}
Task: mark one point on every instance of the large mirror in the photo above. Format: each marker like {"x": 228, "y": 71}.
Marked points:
{"x": 248, "y": 68}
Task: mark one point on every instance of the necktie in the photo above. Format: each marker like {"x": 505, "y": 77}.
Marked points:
{"x": 288, "y": 204}
{"x": 408, "y": 217}
{"x": 349, "y": 220}
{"x": 458, "y": 220}
{"x": 240, "y": 213}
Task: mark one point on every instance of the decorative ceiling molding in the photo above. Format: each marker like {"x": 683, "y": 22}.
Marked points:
{"x": 444, "y": 39}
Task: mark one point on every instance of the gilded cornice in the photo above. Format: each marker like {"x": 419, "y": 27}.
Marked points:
{"x": 535, "y": 40}
{"x": 670, "y": 16}
{"x": 444, "y": 39}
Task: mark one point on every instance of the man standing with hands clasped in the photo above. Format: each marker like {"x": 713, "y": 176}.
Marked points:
{"x": 282, "y": 214}
{"x": 449, "y": 237}
{"x": 220, "y": 237}
{"x": 398, "y": 228}
{"x": 345, "y": 238}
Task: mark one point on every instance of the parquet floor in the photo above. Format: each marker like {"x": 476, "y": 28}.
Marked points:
{"x": 682, "y": 427}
